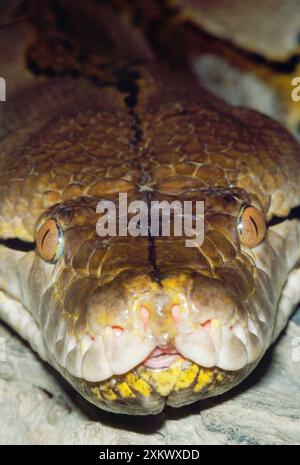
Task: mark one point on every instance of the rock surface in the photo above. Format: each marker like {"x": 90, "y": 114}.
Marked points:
{"x": 37, "y": 407}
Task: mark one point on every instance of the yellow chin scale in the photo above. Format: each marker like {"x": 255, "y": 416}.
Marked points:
{"x": 146, "y": 390}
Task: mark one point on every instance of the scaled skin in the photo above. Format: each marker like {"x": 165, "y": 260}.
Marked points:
{"x": 78, "y": 143}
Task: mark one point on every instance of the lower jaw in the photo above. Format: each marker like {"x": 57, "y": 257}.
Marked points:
{"x": 146, "y": 391}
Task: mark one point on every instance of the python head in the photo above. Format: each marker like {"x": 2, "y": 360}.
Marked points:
{"x": 137, "y": 323}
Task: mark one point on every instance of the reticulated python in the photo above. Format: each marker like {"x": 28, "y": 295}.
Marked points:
{"x": 135, "y": 323}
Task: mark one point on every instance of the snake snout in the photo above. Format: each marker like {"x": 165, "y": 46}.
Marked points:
{"x": 173, "y": 341}
{"x": 190, "y": 317}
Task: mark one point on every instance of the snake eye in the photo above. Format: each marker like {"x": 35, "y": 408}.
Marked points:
{"x": 49, "y": 241}
{"x": 251, "y": 226}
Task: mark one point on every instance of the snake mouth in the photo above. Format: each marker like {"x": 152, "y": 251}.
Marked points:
{"x": 161, "y": 358}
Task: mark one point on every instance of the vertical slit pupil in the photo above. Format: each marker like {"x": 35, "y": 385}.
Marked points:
{"x": 44, "y": 238}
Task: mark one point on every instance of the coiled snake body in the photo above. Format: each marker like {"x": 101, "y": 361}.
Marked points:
{"x": 135, "y": 323}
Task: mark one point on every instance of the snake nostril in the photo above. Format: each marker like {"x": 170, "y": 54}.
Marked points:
{"x": 176, "y": 313}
